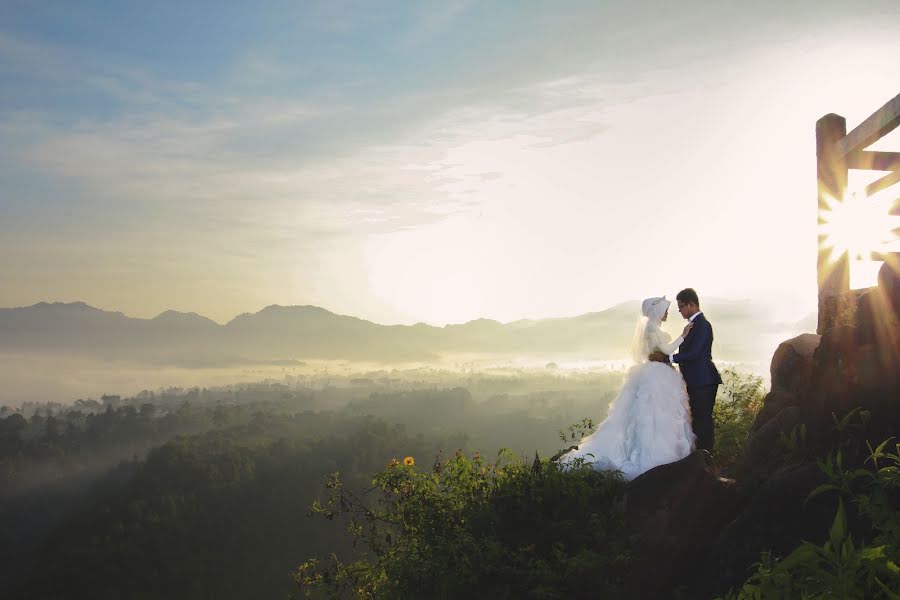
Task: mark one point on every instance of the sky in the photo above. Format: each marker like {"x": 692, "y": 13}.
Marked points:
{"x": 423, "y": 161}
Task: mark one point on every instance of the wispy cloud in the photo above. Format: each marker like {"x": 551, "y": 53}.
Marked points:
{"x": 330, "y": 124}
{"x": 43, "y": 67}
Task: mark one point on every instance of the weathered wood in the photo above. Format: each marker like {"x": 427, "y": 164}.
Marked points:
{"x": 831, "y": 174}
{"x": 873, "y": 161}
{"x": 884, "y": 256}
{"x": 895, "y": 209}
{"x": 880, "y": 254}
{"x": 883, "y": 183}
{"x": 878, "y": 125}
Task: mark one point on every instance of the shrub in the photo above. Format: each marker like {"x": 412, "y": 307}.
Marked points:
{"x": 469, "y": 528}
{"x": 739, "y": 400}
{"x": 841, "y": 568}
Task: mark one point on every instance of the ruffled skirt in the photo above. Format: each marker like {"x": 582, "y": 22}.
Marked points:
{"x": 649, "y": 424}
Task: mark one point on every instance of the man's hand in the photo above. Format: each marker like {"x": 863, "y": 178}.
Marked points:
{"x": 657, "y": 356}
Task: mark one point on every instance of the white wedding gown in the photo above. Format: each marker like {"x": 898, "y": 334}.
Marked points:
{"x": 649, "y": 423}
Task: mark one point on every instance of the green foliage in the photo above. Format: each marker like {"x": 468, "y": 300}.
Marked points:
{"x": 841, "y": 568}
{"x": 576, "y": 431}
{"x": 739, "y": 400}
{"x": 63, "y": 508}
{"x": 217, "y": 515}
{"x": 467, "y": 527}
{"x": 838, "y": 569}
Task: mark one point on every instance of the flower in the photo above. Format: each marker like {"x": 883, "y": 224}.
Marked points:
{"x": 393, "y": 463}
{"x": 409, "y": 461}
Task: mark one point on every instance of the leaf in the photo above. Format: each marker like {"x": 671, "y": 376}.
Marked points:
{"x": 857, "y": 473}
{"x": 839, "y": 527}
{"x": 888, "y": 593}
{"x": 872, "y": 553}
{"x": 880, "y": 448}
{"x": 821, "y": 489}
{"x": 804, "y": 554}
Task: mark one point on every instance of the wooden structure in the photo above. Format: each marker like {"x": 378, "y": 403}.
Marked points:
{"x": 836, "y": 153}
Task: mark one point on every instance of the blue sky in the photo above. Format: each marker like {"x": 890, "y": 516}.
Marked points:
{"x": 435, "y": 161}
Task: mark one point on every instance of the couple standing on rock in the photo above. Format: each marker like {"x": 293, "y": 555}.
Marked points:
{"x": 660, "y": 415}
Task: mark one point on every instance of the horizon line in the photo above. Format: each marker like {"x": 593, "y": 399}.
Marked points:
{"x": 170, "y": 310}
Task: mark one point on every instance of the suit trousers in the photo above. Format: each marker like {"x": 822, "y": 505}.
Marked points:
{"x": 702, "y": 398}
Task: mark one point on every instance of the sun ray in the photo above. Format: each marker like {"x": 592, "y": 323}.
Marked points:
{"x": 856, "y": 228}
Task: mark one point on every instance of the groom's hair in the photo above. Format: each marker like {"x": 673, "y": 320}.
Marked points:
{"x": 688, "y": 296}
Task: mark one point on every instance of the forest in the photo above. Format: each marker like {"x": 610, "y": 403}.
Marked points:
{"x": 207, "y": 492}
{"x": 381, "y": 484}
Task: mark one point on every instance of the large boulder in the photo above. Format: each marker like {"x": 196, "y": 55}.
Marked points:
{"x": 792, "y": 373}
{"x": 762, "y": 444}
{"x": 859, "y": 367}
{"x": 773, "y": 403}
{"x": 792, "y": 364}
{"x": 699, "y": 531}
{"x": 889, "y": 280}
{"x": 676, "y": 511}
{"x": 776, "y": 519}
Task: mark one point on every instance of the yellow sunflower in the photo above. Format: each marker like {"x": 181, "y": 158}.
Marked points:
{"x": 409, "y": 461}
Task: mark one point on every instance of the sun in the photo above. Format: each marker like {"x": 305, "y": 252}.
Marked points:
{"x": 858, "y": 226}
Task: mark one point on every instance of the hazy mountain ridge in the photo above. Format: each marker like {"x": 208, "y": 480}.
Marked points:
{"x": 285, "y": 333}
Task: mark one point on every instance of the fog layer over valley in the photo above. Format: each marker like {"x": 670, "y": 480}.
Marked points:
{"x": 62, "y": 460}
{"x": 166, "y": 445}
{"x": 60, "y": 352}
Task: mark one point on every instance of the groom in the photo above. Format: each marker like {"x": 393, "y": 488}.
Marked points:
{"x": 700, "y": 375}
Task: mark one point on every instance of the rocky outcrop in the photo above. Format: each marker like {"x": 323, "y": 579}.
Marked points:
{"x": 699, "y": 531}
{"x": 775, "y": 519}
{"x": 792, "y": 365}
{"x": 792, "y": 373}
{"x": 676, "y": 510}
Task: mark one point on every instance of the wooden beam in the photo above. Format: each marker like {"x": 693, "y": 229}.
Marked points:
{"x": 873, "y": 161}
{"x": 833, "y": 273}
{"x": 895, "y": 209}
{"x": 878, "y": 125}
{"x": 883, "y": 256}
{"x": 885, "y": 182}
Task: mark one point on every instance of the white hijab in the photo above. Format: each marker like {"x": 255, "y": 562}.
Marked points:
{"x": 652, "y": 310}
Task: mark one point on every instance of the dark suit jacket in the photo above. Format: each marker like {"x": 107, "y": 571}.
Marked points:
{"x": 695, "y": 355}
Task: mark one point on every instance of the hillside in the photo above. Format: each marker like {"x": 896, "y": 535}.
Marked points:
{"x": 282, "y": 334}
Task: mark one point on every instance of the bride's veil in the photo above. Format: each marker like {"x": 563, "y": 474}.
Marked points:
{"x": 652, "y": 309}
{"x": 639, "y": 352}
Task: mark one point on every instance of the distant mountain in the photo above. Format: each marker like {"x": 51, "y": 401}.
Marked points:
{"x": 281, "y": 334}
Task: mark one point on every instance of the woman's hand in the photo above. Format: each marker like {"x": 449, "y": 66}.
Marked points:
{"x": 687, "y": 329}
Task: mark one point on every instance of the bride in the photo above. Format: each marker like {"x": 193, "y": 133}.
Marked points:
{"x": 649, "y": 423}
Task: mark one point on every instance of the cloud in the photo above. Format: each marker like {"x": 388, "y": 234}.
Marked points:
{"x": 44, "y": 72}
{"x": 350, "y": 122}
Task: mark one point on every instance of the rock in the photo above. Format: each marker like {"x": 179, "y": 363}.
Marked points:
{"x": 695, "y": 530}
{"x": 851, "y": 373}
{"x": 774, "y": 402}
{"x": 762, "y": 443}
{"x": 676, "y": 511}
{"x": 889, "y": 280}
{"x": 877, "y": 318}
{"x": 792, "y": 363}
{"x": 777, "y": 519}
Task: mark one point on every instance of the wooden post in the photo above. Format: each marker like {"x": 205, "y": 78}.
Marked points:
{"x": 831, "y": 171}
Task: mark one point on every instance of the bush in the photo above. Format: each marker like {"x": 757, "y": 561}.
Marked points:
{"x": 468, "y": 528}
{"x": 841, "y": 568}
{"x": 739, "y": 400}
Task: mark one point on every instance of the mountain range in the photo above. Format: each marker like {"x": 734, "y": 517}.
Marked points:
{"x": 287, "y": 334}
